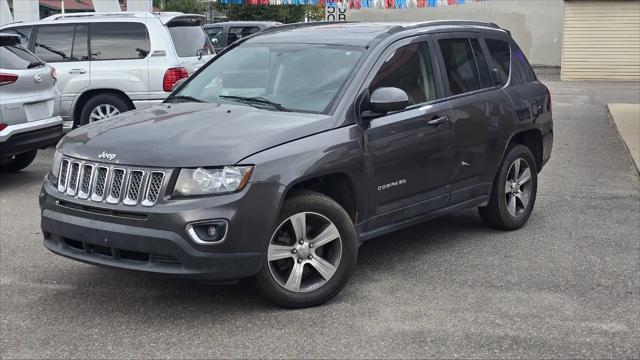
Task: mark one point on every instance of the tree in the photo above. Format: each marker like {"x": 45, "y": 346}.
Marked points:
{"x": 185, "y": 6}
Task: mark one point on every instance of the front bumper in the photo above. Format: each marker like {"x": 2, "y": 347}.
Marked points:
{"x": 32, "y": 135}
{"x": 156, "y": 241}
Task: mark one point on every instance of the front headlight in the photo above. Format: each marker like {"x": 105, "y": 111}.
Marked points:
{"x": 212, "y": 181}
{"x": 55, "y": 164}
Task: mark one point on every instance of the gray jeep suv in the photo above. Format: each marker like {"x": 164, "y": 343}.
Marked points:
{"x": 276, "y": 159}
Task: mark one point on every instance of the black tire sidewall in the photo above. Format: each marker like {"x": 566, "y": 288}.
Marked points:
{"x": 20, "y": 162}
{"x": 318, "y": 203}
{"x": 518, "y": 151}
{"x": 114, "y": 100}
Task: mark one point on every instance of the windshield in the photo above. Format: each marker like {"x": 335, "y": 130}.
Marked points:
{"x": 293, "y": 77}
{"x": 190, "y": 41}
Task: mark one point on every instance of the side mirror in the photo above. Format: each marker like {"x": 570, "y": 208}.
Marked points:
{"x": 214, "y": 42}
{"x": 388, "y": 99}
{"x": 178, "y": 83}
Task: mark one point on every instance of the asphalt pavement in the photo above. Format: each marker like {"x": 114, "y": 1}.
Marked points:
{"x": 565, "y": 286}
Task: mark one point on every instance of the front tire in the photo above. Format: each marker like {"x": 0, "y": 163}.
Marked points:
{"x": 102, "y": 106}
{"x": 17, "y": 162}
{"x": 311, "y": 253}
{"x": 514, "y": 190}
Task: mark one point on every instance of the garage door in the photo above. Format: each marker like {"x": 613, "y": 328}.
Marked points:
{"x": 601, "y": 40}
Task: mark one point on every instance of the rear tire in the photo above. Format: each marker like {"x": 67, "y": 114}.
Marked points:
{"x": 17, "y": 162}
{"x": 315, "y": 239}
{"x": 103, "y": 106}
{"x": 514, "y": 190}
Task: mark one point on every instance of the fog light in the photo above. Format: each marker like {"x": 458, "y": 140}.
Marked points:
{"x": 208, "y": 232}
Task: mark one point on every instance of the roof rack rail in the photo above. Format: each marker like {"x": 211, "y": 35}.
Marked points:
{"x": 300, "y": 25}
{"x": 453, "y": 22}
{"x": 106, "y": 14}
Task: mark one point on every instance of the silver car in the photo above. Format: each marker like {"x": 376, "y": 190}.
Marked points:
{"x": 29, "y": 105}
{"x": 110, "y": 63}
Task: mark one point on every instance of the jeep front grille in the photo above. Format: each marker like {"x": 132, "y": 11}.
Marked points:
{"x": 114, "y": 184}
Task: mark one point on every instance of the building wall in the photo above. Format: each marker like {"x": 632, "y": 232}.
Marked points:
{"x": 535, "y": 25}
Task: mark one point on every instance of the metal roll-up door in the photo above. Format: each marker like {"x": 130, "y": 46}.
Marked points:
{"x": 601, "y": 40}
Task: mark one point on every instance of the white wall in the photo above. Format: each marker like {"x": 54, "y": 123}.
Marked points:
{"x": 536, "y": 25}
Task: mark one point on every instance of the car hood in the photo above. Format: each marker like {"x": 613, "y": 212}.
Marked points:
{"x": 190, "y": 134}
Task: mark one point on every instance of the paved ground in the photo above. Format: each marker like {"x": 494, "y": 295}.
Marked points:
{"x": 626, "y": 117}
{"x": 565, "y": 286}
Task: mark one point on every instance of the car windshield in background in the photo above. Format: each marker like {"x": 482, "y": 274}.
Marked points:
{"x": 17, "y": 58}
{"x": 190, "y": 41}
{"x": 294, "y": 77}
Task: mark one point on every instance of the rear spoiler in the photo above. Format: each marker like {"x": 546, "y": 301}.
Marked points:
{"x": 9, "y": 39}
{"x": 185, "y": 20}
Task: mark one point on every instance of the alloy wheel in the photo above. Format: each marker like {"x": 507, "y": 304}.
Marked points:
{"x": 102, "y": 111}
{"x": 518, "y": 187}
{"x": 304, "y": 252}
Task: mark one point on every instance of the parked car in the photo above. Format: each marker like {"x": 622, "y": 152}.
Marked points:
{"x": 224, "y": 34}
{"x": 135, "y": 58}
{"x": 298, "y": 143}
{"x": 29, "y": 105}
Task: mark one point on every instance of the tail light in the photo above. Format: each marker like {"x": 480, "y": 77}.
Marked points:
{"x": 6, "y": 79}
{"x": 54, "y": 75}
{"x": 3, "y": 126}
{"x": 548, "y": 98}
{"x": 171, "y": 76}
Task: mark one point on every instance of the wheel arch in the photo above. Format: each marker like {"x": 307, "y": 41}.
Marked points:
{"x": 531, "y": 138}
{"x": 339, "y": 186}
{"x": 85, "y": 96}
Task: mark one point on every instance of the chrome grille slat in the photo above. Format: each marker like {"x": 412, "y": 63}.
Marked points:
{"x": 64, "y": 175}
{"x": 74, "y": 174}
{"x": 152, "y": 191}
{"x": 115, "y": 188}
{"x": 100, "y": 184}
{"x": 113, "y": 184}
{"x": 85, "y": 181}
{"x": 134, "y": 184}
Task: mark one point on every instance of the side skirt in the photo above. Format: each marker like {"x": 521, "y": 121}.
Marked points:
{"x": 482, "y": 200}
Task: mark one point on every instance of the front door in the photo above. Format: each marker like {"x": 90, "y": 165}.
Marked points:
{"x": 409, "y": 151}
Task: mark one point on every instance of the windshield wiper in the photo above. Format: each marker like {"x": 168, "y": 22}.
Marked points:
{"x": 256, "y": 99}
{"x": 183, "y": 98}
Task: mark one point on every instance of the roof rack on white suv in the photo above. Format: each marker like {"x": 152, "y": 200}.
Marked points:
{"x": 137, "y": 14}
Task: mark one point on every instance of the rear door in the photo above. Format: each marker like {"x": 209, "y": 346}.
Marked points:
{"x": 119, "y": 52}
{"x": 191, "y": 43}
{"x": 65, "y": 47}
{"x": 409, "y": 150}
{"x": 481, "y": 115}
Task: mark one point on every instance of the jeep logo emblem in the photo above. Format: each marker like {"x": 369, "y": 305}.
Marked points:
{"x": 107, "y": 156}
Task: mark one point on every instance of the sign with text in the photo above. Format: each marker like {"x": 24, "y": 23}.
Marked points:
{"x": 336, "y": 10}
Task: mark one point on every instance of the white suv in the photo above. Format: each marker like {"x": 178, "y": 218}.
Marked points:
{"x": 108, "y": 63}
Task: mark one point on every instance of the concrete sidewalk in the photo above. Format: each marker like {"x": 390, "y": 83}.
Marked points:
{"x": 627, "y": 120}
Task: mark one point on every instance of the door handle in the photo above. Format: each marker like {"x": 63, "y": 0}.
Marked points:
{"x": 77, "y": 71}
{"x": 437, "y": 121}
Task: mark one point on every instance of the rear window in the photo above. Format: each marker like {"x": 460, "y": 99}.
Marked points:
{"x": 15, "y": 57}
{"x": 239, "y": 32}
{"x": 54, "y": 43}
{"x": 190, "y": 41}
{"x": 501, "y": 56}
{"x": 460, "y": 65}
{"x": 119, "y": 41}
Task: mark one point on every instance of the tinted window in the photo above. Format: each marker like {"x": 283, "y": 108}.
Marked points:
{"x": 54, "y": 43}
{"x": 80, "y": 52}
{"x": 190, "y": 41}
{"x": 460, "y": 65}
{"x": 521, "y": 64}
{"x": 481, "y": 63}
{"x": 15, "y": 58}
{"x": 501, "y": 56}
{"x": 118, "y": 41}
{"x": 408, "y": 68}
{"x": 215, "y": 35}
{"x": 236, "y": 33}
{"x": 24, "y": 32}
